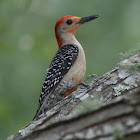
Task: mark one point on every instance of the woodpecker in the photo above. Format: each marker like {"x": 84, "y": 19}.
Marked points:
{"x": 68, "y": 65}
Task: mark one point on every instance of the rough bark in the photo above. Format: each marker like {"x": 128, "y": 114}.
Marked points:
{"x": 94, "y": 112}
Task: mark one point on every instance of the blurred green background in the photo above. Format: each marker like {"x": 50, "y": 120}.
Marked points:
{"x": 28, "y": 44}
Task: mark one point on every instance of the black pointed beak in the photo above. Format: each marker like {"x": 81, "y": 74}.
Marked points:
{"x": 87, "y": 19}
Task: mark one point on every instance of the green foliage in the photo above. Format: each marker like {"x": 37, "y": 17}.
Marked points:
{"x": 27, "y": 45}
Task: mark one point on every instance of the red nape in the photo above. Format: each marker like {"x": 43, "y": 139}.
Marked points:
{"x": 59, "y": 41}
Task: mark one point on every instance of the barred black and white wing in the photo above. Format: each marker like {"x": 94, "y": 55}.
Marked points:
{"x": 60, "y": 65}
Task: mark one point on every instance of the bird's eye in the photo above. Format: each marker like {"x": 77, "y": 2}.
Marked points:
{"x": 69, "y": 21}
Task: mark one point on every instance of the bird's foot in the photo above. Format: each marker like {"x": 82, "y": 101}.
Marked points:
{"x": 84, "y": 83}
{"x": 91, "y": 76}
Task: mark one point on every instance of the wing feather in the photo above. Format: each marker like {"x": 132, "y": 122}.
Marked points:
{"x": 60, "y": 65}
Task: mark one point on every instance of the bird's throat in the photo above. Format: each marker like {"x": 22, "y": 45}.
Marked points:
{"x": 67, "y": 38}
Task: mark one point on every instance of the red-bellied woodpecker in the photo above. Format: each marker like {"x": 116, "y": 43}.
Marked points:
{"x": 68, "y": 65}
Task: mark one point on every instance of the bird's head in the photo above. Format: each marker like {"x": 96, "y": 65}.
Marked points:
{"x": 69, "y": 24}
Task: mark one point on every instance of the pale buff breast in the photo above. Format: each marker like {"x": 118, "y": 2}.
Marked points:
{"x": 77, "y": 70}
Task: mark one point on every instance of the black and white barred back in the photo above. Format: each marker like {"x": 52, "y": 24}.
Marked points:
{"x": 60, "y": 65}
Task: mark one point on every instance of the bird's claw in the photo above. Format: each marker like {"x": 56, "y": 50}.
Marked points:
{"x": 84, "y": 83}
{"x": 91, "y": 76}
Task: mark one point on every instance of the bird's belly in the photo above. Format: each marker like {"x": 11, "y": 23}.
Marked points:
{"x": 76, "y": 72}
{"x": 74, "y": 75}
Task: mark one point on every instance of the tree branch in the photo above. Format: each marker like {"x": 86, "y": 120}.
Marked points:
{"x": 94, "y": 112}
